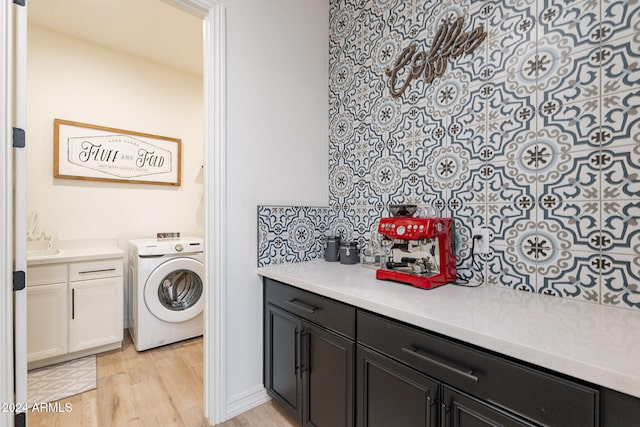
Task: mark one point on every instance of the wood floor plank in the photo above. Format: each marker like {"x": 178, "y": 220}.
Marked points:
{"x": 157, "y": 387}
{"x": 266, "y": 415}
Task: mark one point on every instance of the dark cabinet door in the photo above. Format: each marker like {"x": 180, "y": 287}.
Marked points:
{"x": 327, "y": 377}
{"x": 390, "y": 394}
{"x": 459, "y": 410}
{"x": 282, "y": 358}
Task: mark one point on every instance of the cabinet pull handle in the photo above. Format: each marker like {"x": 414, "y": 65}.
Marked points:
{"x": 443, "y": 413}
{"x": 446, "y": 364}
{"x": 304, "y": 347}
{"x": 104, "y": 270}
{"x": 73, "y": 303}
{"x": 428, "y": 420}
{"x": 296, "y": 355}
{"x": 302, "y": 306}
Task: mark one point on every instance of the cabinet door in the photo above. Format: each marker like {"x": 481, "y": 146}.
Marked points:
{"x": 391, "y": 394}
{"x": 327, "y": 377}
{"x": 46, "y": 321}
{"x": 459, "y": 410}
{"x": 282, "y": 358}
{"x": 96, "y": 313}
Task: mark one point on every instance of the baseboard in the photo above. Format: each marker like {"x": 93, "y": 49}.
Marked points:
{"x": 245, "y": 401}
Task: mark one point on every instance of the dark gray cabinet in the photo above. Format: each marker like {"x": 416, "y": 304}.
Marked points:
{"x": 501, "y": 385}
{"x": 309, "y": 355}
{"x": 283, "y": 355}
{"x": 327, "y": 377}
{"x": 391, "y": 394}
{"x": 461, "y": 410}
{"x": 333, "y": 365}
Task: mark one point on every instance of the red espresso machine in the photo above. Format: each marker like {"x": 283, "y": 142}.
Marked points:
{"x": 418, "y": 251}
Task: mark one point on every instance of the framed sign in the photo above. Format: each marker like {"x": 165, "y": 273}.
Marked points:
{"x": 98, "y": 153}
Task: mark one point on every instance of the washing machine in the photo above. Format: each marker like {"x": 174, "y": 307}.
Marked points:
{"x": 166, "y": 290}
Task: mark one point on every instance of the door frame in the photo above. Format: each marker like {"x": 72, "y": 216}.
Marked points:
{"x": 6, "y": 209}
{"x": 212, "y": 12}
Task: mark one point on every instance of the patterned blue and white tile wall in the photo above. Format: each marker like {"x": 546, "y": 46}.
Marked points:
{"x": 291, "y": 233}
{"x": 535, "y": 135}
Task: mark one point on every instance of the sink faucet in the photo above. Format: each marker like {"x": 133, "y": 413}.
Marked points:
{"x": 51, "y": 238}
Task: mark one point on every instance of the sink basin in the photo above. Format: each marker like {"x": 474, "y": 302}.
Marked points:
{"x": 42, "y": 253}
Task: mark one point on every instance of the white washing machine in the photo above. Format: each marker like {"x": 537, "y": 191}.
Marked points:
{"x": 166, "y": 290}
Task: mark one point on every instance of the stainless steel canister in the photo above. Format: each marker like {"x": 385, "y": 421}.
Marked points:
{"x": 349, "y": 253}
{"x": 332, "y": 250}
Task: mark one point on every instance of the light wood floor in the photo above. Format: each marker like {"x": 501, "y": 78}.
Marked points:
{"x": 158, "y": 387}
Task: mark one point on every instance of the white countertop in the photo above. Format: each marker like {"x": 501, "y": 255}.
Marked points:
{"x": 592, "y": 342}
{"x": 75, "y": 250}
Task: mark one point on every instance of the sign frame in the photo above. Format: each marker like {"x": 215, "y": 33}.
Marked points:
{"x": 89, "y": 152}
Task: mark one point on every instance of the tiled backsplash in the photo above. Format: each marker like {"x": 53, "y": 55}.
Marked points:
{"x": 535, "y": 135}
{"x": 291, "y": 233}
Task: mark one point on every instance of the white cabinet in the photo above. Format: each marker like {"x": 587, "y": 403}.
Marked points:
{"x": 46, "y": 321}
{"x": 73, "y": 309}
{"x": 96, "y": 313}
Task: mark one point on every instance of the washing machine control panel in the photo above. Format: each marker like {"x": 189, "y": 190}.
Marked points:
{"x": 155, "y": 247}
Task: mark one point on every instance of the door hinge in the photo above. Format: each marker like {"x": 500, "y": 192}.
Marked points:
{"x": 18, "y": 138}
{"x": 20, "y": 419}
{"x": 20, "y": 2}
{"x": 19, "y": 280}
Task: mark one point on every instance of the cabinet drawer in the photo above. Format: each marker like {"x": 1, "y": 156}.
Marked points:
{"x": 95, "y": 269}
{"x": 46, "y": 274}
{"x": 323, "y": 311}
{"x": 545, "y": 398}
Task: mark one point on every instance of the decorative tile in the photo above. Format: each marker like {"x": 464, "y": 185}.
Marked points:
{"x": 620, "y": 172}
{"x": 506, "y": 267}
{"x": 619, "y": 60}
{"x": 416, "y": 137}
{"x": 577, "y": 82}
{"x": 290, "y": 234}
{"x": 503, "y": 104}
{"x": 577, "y": 22}
{"x": 342, "y": 226}
{"x": 620, "y": 18}
{"x": 466, "y": 218}
{"x": 620, "y": 230}
{"x": 508, "y": 222}
{"x": 415, "y": 189}
{"x": 473, "y": 188}
{"x": 367, "y": 28}
{"x": 341, "y": 181}
{"x": 579, "y": 122}
{"x": 570, "y": 177}
{"x": 621, "y": 119}
{"x": 620, "y": 280}
{"x": 570, "y": 226}
{"x": 569, "y": 274}
{"x": 510, "y": 182}
{"x": 510, "y": 20}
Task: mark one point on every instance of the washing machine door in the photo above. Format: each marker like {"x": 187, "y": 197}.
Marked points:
{"x": 174, "y": 291}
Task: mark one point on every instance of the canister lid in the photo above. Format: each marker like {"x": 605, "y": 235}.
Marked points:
{"x": 349, "y": 244}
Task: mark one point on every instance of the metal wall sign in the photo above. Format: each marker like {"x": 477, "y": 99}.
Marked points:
{"x": 449, "y": 42}
{"x": 98, "y": 153}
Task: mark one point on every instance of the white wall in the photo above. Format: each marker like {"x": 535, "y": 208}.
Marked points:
{"x": 71, "y": 79}
{"x": 277, "y": 149}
